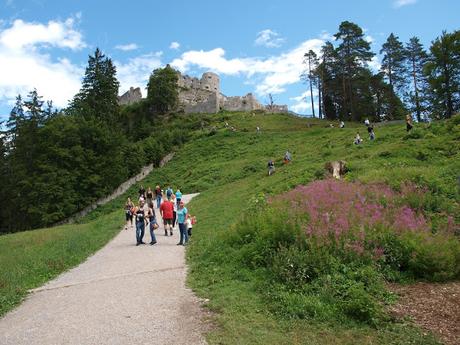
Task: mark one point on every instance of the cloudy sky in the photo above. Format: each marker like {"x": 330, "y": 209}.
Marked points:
{"x": 255, "y": 46}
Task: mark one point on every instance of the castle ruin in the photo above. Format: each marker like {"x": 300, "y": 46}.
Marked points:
{"x": 204, "y": 96}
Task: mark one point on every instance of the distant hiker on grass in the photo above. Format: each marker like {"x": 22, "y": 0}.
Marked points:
{"x": 271, "y": 167}
{"x": 181, "y": 218}
{"x": 370, "y": 130}
{"x": 153, "y": 225}
{"x": 409, "y": 125}
{"x": 158, "y": 195}
{"x": 140, "y": 223}
{"x": 129, "y": 209}
{"x": 166, "y": 211}
{"x": 367, "y": 122}
{"x": 287, "y": 157}
{"x": 342, "y": 124}
{"x": 358, "y": 139}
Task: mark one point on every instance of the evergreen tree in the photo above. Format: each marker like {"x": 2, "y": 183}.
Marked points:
{"x": 162, "y": 90}
{"x": 354, "y": 53}
{"x": 393, "y": 62}
{"x": 416, "y": 60}
{"x": 98, "y": 96}
{"x": 311, "y": 62}
{"x": 328, "y": 73}
{"x": 443, "y": 71}
{"x": 15, "y": 120}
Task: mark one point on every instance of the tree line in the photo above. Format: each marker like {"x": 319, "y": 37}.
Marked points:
{"x": 54, "y": 163}
{"x": 410, "y": 80}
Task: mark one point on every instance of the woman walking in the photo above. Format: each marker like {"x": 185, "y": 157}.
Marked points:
{"x": 181, "y": 219}
{"x": 149, "y": 196}
{"x": 158, "y": 195}
{"x": 140, "y": 223}
{"x": 129, "y": 207}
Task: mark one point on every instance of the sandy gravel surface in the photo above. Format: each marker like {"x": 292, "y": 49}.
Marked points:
{"x": 121, "y": 295}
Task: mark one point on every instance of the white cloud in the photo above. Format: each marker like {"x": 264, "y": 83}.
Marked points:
{"x": 136, "y": 71}
{"x": 375, "y": 64}
{"x": 24, "y": 66}
{"x": 174, "y": 45}
{"x": 269, "y": 38}
{"x": 401, "y": 3}
{"x": 127, "y": 47}
{"x": 271, "y": 74}
{"x": 23, "y": 35}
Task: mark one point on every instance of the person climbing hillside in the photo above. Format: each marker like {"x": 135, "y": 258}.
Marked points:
{"x": 140, "y": 223}
{"x": 409, "y": 125}
{"x": 287, "y": 157}
{"x": 181, "y": 218}
{"x": 166, "y": 211}
{"x": 370, "y": 130}
{"x": 158, "y": 195}
{"x": 129, "y": 208}
{"x": 271, "y": 167}
{"x": 153, "y": 225}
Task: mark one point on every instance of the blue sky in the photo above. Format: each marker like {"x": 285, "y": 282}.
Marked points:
{"x": 255, "y": 46}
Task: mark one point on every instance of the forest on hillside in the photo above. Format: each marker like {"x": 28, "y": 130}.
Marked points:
{"x": 54, "y": 163}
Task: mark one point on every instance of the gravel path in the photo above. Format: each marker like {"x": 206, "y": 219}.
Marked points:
{"x": 121, "y": 295}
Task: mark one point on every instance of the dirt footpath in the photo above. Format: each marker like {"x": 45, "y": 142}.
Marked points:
{"x": 121, "y": 295}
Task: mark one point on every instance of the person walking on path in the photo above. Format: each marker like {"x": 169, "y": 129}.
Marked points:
{"x": 149, "y": 196}
{"x": 178, "y": 196}
{"x": 142, "y": 192}
{"x": 169, "y": 192}
{"x": 129, "y": 208}
{"x": 152, "y": 224}
{"x": 158, "y": 195}
{"x": 173, "y": 200}
{"x": 140, "y": 223}
{"x": 181, "y": 218}
{"x": 189, "y": 223}
{"x": 166, "y": 211}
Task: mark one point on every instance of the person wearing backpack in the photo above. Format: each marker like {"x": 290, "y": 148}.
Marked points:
{"x": 166, "y": 211}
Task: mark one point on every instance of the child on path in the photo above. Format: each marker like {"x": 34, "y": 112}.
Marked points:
{"x": 189, "y": 222}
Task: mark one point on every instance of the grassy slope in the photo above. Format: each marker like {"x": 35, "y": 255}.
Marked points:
{"x": 229, "y": 169}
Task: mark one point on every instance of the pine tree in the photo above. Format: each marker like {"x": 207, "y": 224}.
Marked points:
{"x": 393, "y": 63}
{"x": 98, "y": 96}
{"x": 15, "y": 120}
{"x": 416, "y": 60}
{"x": 354, "y": 53}
{"x": 443, "y": 71}
{"x": 311, "y": 62}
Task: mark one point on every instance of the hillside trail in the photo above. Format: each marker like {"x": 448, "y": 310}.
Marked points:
{"x": 123, "y": 294}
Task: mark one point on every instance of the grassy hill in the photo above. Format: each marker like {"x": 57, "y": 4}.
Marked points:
{"x": 229, "y": 169}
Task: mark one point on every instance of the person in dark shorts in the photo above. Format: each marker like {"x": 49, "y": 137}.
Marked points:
{"x": 166, "y": 211}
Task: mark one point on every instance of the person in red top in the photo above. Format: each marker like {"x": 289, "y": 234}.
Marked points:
{"x": 167, "y": 212}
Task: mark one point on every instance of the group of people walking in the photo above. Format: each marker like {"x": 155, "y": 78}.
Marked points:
{"x": 172, "y": 211}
